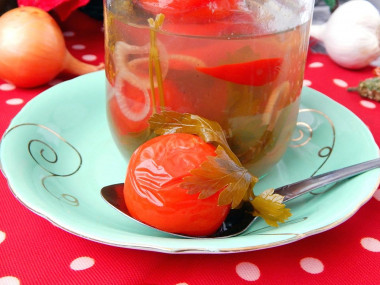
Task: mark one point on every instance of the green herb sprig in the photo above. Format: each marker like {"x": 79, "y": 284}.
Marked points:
{"x": 223, "y": 171}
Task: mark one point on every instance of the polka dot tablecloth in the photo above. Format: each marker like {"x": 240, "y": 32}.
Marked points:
{"x": 33, "y": 251}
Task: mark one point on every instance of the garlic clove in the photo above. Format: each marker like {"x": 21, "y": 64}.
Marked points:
{"x": 357, "y": 13}
{"x": 351, "y": 35}
{"x": 317, "y": 31}
{"x": 350, "y": 51}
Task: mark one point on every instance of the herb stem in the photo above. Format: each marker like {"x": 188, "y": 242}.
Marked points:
{"x": 352, "y": 89}
{"x": 151, "y": 81}
{"x": 154, "y": 61}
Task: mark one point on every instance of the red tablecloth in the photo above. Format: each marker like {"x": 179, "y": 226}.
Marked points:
{"x": 33, "y": 251}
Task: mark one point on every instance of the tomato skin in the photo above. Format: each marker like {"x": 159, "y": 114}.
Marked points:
{"x": 208, "y": 103}
{"x": 191, "y": 10}
{"x": 139, "y": 105}
{"x": 152, "y": 193}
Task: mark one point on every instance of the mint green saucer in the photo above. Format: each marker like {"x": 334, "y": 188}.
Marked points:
{"x": 58, "y": 153}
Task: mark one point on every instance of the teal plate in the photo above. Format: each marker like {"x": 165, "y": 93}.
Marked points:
{"x": 58, "y": 153}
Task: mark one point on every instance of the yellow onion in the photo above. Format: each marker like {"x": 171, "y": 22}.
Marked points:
{"x": 33, "y": 50}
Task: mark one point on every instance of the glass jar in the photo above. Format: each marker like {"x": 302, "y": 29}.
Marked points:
{"x": 238, "y": 62}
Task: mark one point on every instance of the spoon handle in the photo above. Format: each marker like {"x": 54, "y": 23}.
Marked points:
{"x": 294, "y": 190}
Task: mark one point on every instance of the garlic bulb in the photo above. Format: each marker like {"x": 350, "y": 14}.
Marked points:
{"x": 351, "y": 35}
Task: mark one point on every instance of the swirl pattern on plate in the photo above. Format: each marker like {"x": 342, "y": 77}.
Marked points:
{"x": 42, "y": 151}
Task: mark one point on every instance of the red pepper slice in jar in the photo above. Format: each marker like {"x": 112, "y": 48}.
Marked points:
{"x": 253, "y": 73}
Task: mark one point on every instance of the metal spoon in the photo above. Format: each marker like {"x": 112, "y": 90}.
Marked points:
{"x": 239, "y": 220}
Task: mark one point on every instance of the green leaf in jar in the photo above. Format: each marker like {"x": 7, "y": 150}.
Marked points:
{"x": 169, "y": 122}
{"x": 220, "y": 172}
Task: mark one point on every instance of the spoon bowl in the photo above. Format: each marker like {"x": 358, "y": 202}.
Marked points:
{"x": 239, "y": 220}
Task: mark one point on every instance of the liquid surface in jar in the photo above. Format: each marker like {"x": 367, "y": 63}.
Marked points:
{"x": 250, "y": 84}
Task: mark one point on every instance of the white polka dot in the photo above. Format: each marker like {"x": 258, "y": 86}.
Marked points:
{"x": 9, "y": 280}
{"x": 14, "y": 101}
{"x": 248, "y": 271}
{"x": 316, "y": 65}
{"x": 54, "y": 82}
{"x": 312, "y": 265}
{"x": 377, "y": 195}
{"x": 78, "y": 47}
{"x": 182, "y": 283}
{"x": 340, "y": 82}
{"x": 82, "y": 263}
{"x": 89, "y": 57}
{"x": 7, "y": 87}
{"x": 68, "y": 34}
{"x": 367, "y": 104}
{"x": 2, "y": 236}
{"x": 370, "y": 244}
{"x": 306, "y": 82}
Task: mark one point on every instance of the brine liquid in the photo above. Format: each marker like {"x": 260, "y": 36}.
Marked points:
{"x": 258, "y": 118}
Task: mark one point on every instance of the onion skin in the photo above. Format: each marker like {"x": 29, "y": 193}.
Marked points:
{"x": 32, "y": 49}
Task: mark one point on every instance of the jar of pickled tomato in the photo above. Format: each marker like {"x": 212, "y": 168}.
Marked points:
{"x": 238, "y": 62}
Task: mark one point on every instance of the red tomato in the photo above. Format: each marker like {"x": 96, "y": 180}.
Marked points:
{"x": 131, "y": 112}
{"x": 190, "y": 10}
{"x": 152, "y": 193}
{"x": 129, "y": 109}
{"x": 195, "y": 94}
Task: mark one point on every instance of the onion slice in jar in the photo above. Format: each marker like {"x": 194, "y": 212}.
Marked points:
{"x": 127, "y": 68}
{"x": 128, "y": 106}
{"x": 275, "y": 102}
{"x": 127, "y": 72}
